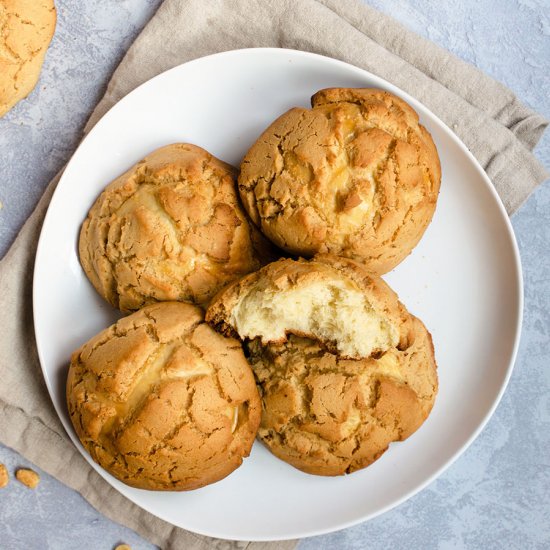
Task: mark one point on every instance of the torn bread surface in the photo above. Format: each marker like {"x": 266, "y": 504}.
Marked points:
{"x": 332, "y": 300}
{"x": 343, "y": 369}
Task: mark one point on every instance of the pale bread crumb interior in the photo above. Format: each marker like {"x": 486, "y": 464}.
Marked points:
{"x": 333, "y": 313}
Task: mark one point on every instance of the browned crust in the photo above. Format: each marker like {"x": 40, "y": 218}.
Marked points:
{"x": 294, "y": 186}
{"x": 152, "y": 399}
{"x": 169, "y": 228}
{"x": 309, "y": 397}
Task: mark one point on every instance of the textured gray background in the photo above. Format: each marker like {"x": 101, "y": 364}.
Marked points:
{"x": 497, "y": 495}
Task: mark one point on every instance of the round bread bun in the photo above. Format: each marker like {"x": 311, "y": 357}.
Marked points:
{"x": 343, "y": 369}
{"x": 27, "y": 29}
{"x": 355, "y": 176}
{"x": 170, "y": 228}
{"x": 162, "y": 401}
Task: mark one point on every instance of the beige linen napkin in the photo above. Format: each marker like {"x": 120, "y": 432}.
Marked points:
{"x": 497, "y": 128}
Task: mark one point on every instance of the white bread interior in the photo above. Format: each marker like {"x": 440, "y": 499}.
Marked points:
{"x": 333, "y": 312}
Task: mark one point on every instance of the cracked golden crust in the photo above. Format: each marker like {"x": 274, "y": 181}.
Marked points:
{"x": 286, "y": 274}
{"x": 356, "y": 176}
{"x": 26, "y": 29}
{"x": 327, "y": 415}
{"x": 163, "y": 402}
{"x": 170, "y": 228}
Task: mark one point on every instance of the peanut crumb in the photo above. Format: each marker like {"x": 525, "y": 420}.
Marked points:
{"x": 123, "y": 547}
{"x": 28, "y": 477}
{"x": 4, "y": 477}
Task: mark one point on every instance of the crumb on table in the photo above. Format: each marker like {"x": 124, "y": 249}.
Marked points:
{"x": 27, "y": 477}
{"x": 4, "y": 477}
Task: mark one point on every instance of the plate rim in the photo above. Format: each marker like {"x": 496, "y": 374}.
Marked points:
{"x": 518, "y": 274}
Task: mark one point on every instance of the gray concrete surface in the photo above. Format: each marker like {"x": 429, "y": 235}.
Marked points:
{"x": 497, "y": 495}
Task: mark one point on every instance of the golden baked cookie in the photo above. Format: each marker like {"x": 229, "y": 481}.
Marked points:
{"x": 170, "y": 228}
{"x": 355, "y": 176}
{"x": 343, "y": 369}
{"x": 26, "y": 29}
{"x": 163, "y": 402}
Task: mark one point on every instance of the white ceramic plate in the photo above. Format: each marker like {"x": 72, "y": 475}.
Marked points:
{"x": 463, "y": 281}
